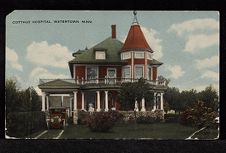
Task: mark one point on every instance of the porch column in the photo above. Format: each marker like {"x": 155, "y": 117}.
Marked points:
{"x": 98, "y": 101}
{"x": 43, "y": 101}
{"x": 154, "y": 106}
{"x": 136, "y": 107}
{"x": 106, "y": 101}
{"x": 62, "y": 101}
{"x": 83, "y": 101}
{"x": 75, "y": 100}
{"x": 143, "y": 105}
{"x": 161, "y": 102}
{"x": 47, "y": 103}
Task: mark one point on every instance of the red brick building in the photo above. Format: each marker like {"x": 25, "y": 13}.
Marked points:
{"x": 97, "y": 74}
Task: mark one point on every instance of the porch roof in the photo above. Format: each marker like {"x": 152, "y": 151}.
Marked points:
{"x": 58, "y": 84}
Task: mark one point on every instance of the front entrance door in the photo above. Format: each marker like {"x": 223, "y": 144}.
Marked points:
{"x": 111, "y": 73}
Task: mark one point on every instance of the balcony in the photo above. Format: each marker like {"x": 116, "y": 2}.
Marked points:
{"x": 104, "y": 81}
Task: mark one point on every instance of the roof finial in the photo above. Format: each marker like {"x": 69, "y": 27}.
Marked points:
{"x": 135, "y": 21}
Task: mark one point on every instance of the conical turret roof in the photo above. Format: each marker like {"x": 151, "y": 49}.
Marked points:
{"x": 135, "y": 39}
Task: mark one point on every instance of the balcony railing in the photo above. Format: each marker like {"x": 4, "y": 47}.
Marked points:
{"x": 106, "y": 80}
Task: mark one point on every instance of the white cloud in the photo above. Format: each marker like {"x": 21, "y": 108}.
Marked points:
{"x": 197, "y": 33}
{"x": 40, "y": 72}
{"x": 207, "y": 62}
{"x": 151, "y": 36}
{"x": 12, "y": 58}
{"x": 39, "y": 92}
{"x": 196, "y": 42}
{"x": 194, "y": 25}
{"x": 54, "y": 55}
{"x": 176, "y": 71}
{"x": 211, "y": 75}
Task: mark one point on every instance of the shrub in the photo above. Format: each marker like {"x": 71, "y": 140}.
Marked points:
{"x": 172, "y": 118}
{"x": 21, "y": 124}
{"x": 145, "y": 119}
{"x": 83, "y": 117}
{"x": 102, "y": 121}
{"x": 199, "y": 116}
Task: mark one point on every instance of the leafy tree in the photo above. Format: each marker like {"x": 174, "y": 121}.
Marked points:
{"x": 132, "y": 91}
{"x": 187, "y": 98}
{"x": 172, "y": 97}
{"x": 20, "y": 100}
{"x": 11, "y": 95}
{"x": 210, "y": 97}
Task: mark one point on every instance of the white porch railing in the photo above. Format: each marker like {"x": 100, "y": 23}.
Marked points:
{"x": 105, "y": 80}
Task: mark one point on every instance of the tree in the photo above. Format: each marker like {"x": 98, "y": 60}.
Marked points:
{"x": 210, "y": 97}
{"x": 11, "y": 95}
{"x": 172, "y": 97}
{"x": 132, "y": 91}
{"x": 20, "y": 100}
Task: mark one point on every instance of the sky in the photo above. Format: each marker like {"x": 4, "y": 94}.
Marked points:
{"x": 187, "y": 42}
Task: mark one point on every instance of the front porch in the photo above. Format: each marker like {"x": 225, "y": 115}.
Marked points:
{"x": 90, "y": 97}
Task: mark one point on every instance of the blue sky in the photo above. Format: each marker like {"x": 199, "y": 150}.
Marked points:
{"x": 187, "y": 42}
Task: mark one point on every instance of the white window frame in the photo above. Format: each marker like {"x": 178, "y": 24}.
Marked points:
{"x": 100, "y": 52}
{"x": 149, "y": 55}
{"x": 149, "y": 77}
{"x": 138, "y": 65}
{"x": 137, "y": 56}
{"x": 125, "y": 55}
{"x": 97, "y": 67}
{"x": 112, "y": 69}
{"x": 123, "y": 68}
{"x": 74, "y": 71}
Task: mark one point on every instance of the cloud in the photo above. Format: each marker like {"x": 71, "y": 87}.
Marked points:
{"x": 207, "y": 62}
{"x": 40, "y": 72}
{"x": 194, "y": 25}
{"x": 54, "y": 55}
{"x": 12, "y": 58}
{"x": 176, "y": 71}
{"x": 197, "y": 33}
{"x": 211, "y": 75}
{"x": 38, "y": 91}
{"x": 151, "y": 36}
{"x": 196, "y": 42}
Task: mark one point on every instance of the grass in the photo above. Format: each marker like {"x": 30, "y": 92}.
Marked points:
{"x": 131, "y": 131}
{"x": 206, "y": 134}
{"x": 51, "y": 134}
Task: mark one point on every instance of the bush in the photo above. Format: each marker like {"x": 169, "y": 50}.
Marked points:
{"x": 83, "y": 117}
{"x": 21, "y": 124}
{"x": 172, "y": 118}
{"x": 102, "y": 121}
{"x": 146, "y": 119}
{"x": 199, "y": 116}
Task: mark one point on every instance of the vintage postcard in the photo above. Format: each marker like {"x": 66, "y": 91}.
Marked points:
{"x": 112, "y": 75}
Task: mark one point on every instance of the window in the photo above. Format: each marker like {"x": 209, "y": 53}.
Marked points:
{"x": 126, "y": 55}
{"x": 139, "y": 71}
{"x": 139, "y": 54}
{"x": 100, "y": 55}
{"x": 149, "y": 74}
{"x": 91, "y": 73}
{"x": 149, "y": 56}
{"x": 126, "y": 72}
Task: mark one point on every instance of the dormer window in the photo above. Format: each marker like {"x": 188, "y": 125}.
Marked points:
{"x": 100, "y": 55}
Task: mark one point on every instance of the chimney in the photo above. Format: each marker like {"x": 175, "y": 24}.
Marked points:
{"x": 113, "y": 31}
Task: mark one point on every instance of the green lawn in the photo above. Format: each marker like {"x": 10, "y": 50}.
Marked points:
{"x": 153, "y": 131}
{"x": 51, "y": 134}
{"x": 206, "y": 134}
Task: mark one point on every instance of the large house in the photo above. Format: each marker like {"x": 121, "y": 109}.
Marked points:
{"x": 97, "y": 74}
